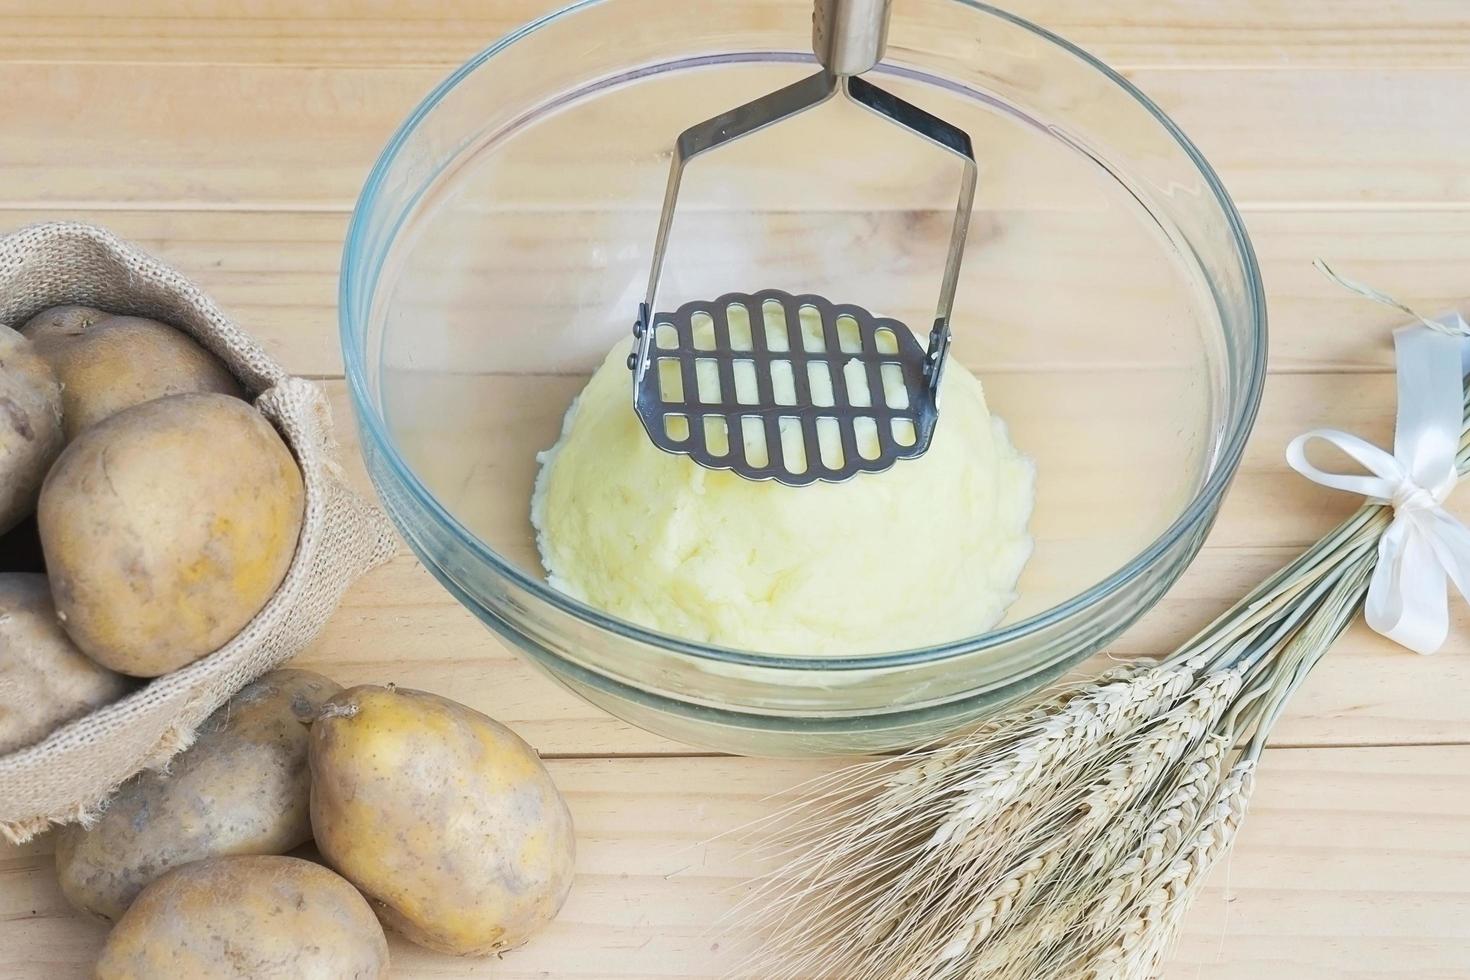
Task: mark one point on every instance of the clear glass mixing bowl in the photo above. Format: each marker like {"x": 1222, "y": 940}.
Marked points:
{"x": 1110, "y": 303}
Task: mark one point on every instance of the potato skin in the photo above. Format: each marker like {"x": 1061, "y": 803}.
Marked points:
{"x": 239, "y": 917}
{"x": 45, "y": 681}
{"x": 107, "y": 363}
{"x": 30, "y": 426}
{"x": 242, "y": 788}
{"x": 167, "y": 527}
{"x": 62, "y": 321}
{"x": 441, "y": 816}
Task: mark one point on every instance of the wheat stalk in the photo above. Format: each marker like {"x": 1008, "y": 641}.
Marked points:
{"x": 1050, "y": 927}
{"x": 1090, "y": 719}
{"x": 1024, "y": 852}
{"x": 1135, "y": 768}
{"x": 1150, "y": 919}
{"x": 1065, "y": 840}
{"x": 907, "y": 829}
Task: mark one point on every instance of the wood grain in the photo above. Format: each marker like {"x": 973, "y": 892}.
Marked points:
{"x": 1343, "y": 137}
{"x": 276, "y": 273}
{"x": 1188, "y": 33}
{"x": 1351, "y": 864}
{"x": 233, "y": 139}
{"x": 399, "y": 625}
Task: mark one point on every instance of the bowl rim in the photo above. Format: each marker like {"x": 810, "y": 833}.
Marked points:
{"x": 1199, "y": 508}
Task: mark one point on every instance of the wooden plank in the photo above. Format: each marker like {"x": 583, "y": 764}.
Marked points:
{"x": 1337, "y": 873}
{"x": 250, "y": 136}
{"x": 276, "y": 272}
{"x": 1316, "y": 325}
{"x": 1039, "y": 289}
{"x": 1189, "y": 33}
{"x": 1344, "y": 136}
{"x": 398, "y": 624}
{"x": 234, "y": 143}
{"x": 1351, "y": 864}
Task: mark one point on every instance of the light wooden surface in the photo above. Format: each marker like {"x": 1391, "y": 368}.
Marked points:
{"x": 231, "y": 139}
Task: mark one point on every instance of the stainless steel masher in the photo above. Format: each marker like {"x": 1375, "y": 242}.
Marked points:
{"x": 753, "y": 382}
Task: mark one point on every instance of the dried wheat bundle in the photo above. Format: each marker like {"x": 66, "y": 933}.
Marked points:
{"x": 1066, "y": 840}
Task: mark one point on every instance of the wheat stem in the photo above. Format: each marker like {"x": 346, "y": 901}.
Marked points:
{"x": 1065, "y": 840}
{"x": 1148, "y": 923}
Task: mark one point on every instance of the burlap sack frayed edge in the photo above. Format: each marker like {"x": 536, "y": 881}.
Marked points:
{"x": 69, "y": 775}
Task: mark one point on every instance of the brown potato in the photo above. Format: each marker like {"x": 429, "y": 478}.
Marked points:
{"x": 241, "y": 788}
{"x": 167, "y": 527}
{"x": 238, "y": 917}
{"x": 45, "y": 681}
{"x": 107, "y": 363}
{"x": 443, "y": 817}
{"x": 30, "y": 426}
{"x": 62, "y": 321}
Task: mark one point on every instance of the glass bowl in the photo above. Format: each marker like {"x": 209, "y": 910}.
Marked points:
{"x": 1109, "y": 302}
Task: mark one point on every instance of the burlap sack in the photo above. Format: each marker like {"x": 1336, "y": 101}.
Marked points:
{"x": 69, "y": 775}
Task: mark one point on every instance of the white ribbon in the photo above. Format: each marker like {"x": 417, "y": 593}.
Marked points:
{"x": 1424, "y": 545}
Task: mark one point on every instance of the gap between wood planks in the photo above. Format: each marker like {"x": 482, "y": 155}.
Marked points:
{"x": 838, "y": 760}
{"x": 307, "y": 207}
{"x": 1196, "y": 34}
{"x": 447, "y": 66}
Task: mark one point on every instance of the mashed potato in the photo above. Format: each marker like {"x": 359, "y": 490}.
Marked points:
{"x": 925, "y": 552}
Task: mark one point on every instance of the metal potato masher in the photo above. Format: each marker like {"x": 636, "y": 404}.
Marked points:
{"x": 796, "y": 388}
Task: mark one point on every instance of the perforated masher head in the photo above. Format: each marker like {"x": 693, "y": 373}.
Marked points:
{"x": 796, "y": 388}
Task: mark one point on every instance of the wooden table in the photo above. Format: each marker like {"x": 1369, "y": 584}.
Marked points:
{"x": 233, "y": 144}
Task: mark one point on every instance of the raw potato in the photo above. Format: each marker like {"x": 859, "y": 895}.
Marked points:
{"x": 167, "y": 527}
{"x": 443, "y": 817}
{"x": 30, "y": 426}
{"x": 240, "y": 917}
{"x": 45, "y": 681}
{"x": 241, "y": 788}
{"x": 62, "y": 321}
{"x": 107, "y": 363}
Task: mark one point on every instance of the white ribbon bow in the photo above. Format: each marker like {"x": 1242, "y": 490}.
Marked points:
{"x": 1424, "y": 545}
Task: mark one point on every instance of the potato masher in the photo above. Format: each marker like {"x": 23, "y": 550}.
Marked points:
{"x": 752, "y": 382}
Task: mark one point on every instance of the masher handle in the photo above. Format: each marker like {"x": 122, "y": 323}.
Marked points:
{"x": 848, "y": 36}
